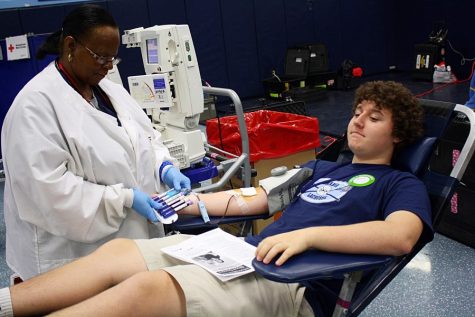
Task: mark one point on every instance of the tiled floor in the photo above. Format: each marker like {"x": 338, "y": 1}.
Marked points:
{"x": 439, "y": 281}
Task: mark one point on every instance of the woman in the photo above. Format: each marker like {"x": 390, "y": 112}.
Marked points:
{"x": 79, "y": 153}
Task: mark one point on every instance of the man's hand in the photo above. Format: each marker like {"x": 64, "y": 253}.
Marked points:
{"x": 287, "y": 244}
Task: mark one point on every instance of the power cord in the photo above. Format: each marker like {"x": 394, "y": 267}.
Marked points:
{"x": 463, "y": 59}
{"x": 448, "y": 84}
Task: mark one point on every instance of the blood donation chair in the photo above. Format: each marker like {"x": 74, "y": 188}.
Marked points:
{"x": 360, "y": 278}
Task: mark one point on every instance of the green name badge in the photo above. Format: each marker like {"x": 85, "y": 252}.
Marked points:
{"x": 361, "y": 180}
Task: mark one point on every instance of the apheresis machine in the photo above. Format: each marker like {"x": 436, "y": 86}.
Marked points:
{"x": 171, "y": 90}
{"x": 172, "y": 94}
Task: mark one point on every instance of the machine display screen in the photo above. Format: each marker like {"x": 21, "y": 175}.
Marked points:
{"x": 159, "y": 84}
{"x": 152, "y": 51}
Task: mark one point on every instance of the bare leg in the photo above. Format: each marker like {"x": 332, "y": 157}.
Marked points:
{"x": 145, "y": 294}
{"x": 112, "y": 263}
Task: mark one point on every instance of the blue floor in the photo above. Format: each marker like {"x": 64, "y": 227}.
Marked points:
{"x": 4, "y": 270}
{"x": 439, "y": 281}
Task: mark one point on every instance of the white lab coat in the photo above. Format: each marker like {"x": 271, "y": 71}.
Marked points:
{"x": 69, "y": 171}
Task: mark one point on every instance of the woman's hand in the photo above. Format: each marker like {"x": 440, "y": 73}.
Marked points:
{"x": 176, "y": 179}
{"x": 144, "y": 205}
{"x": 286, "y": 244}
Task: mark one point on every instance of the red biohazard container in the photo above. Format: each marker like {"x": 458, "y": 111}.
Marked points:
{"x": 271, "y": 134}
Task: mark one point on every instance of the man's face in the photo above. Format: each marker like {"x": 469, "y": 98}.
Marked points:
{"x": 370, "y": 134}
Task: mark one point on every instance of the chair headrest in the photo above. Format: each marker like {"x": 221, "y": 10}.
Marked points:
{"x": 414, "y": 158}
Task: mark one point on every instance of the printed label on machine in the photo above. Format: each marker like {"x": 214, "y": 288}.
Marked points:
{"x": 150, "y": 91}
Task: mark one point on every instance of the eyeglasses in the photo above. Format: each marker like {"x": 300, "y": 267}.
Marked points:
{"x": 101, "y": 60}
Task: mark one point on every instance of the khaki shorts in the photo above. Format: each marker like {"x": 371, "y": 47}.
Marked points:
{"x": 248, "y": 295}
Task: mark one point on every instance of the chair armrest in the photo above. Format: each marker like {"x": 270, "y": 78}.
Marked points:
{"x": 185, "y": 222}
{"x": 313, "y": 265}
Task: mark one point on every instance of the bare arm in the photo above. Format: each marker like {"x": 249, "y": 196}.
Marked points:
{"x": 217, "y": 204}
{"x": 395, "y": 235}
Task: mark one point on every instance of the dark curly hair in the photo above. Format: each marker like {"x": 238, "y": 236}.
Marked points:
{"x": 78, "y": 23}
{"x": 407, "y": 113}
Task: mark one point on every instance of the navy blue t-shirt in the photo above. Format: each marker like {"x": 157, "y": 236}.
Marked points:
{"x": 351, "y": 193}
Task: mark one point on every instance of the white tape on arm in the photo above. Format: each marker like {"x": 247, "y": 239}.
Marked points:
{"x": 242, "y": 204}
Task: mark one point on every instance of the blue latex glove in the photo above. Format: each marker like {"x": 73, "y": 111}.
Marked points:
{"x": 144, "y": 204}
{"x": 175, "y": 179}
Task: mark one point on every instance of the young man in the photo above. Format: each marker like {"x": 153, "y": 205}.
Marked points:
{"x": 360, "y": 207}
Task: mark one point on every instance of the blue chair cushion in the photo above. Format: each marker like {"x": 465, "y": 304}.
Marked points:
{"x": 414, "y": 158}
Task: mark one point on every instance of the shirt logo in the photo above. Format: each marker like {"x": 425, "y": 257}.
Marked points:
{"x": 326, "y": 190}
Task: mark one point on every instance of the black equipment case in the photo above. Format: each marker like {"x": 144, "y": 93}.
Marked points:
{"x": 425, "y": 57}
{"x": 296, "y": 69}
{"x": 301, "y": 65}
